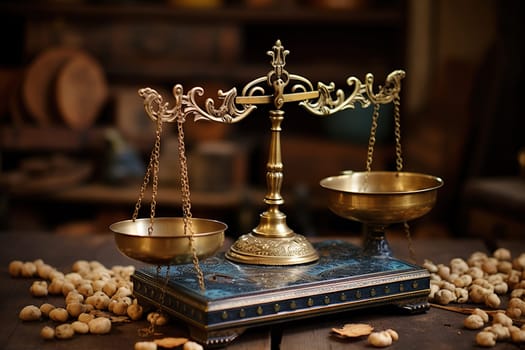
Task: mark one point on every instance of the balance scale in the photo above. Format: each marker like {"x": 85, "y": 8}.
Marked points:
{"x": 273, "y": 274}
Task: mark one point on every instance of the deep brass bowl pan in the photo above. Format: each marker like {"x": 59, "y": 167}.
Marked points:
{"x": 168, "y": 245}
{"x": 381, "y": 197}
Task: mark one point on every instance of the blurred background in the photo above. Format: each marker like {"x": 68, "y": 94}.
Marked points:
{"x": 75, "y": 140}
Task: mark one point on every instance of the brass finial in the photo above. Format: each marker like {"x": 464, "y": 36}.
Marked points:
{"x": 278, "y": 77}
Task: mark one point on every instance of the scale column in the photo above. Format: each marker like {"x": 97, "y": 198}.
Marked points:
{"x": 272, "y": 242}
{"x": 273, "y": 221}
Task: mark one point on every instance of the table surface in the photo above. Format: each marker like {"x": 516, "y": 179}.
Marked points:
{"x": 434, "y": 329}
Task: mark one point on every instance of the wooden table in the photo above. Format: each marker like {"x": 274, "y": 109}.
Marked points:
{"x": 435, "y": 329}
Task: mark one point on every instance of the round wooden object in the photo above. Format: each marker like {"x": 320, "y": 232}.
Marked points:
{"x": 38, "y": 86}
{"x": 81, "y": 91}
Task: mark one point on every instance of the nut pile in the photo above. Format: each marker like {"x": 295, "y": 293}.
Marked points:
{"x": 484, "y": 279}
{"x": 94, "y": 297}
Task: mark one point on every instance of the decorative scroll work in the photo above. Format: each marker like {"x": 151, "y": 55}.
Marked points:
{"x": 186, "y": 105}
{"x": 323, "y": 101}
{"x": 227, "y": 112}
{"x": 361, "y": 93}
{"x": 155, "y": 106}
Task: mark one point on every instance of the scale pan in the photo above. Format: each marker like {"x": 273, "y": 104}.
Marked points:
{"x": 381, "y": 197}
{"x": 168, "y": 245}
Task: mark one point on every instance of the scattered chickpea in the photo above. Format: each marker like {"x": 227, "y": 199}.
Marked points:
{"x": 99, "y": 300}
{"x": 85, "y": 289}
{"x": 157, "y": 319}
{"x": 73, "y": 277}
{"x": 109, "y": 288}
{"x": 477, "y": 294}
{"x": 74, "y": 297}
{"x": 475, "y": 272}
{"x": 46, "y": 309}
{"x": 55, "y": 287}
{"x": 380, "y": 339}
{"x": 98, "y": 285}
{"x": 501, "y": 288}
{"x": 75, "y": 309}
{"x": 30, "y": 313}
{"x": 461, "y": 295}
{"x": 80, "y": 327}
{"x": 64, "y": 331}
{"x": 502, "y": 319}
{"x": 430, "y": 266}
{"x": 56, "y": 274}
{"x": 502, "y": 332}
{"x": 519, "y": 262}
{"x": 518, "y": 303}
{"x": 80, "y": 265}
{"x": 191, "y": 345}
{"x": 59, "y": 314}
{"x": 518, "y": 336}
{"x": 38, "y": 289}
{"x": 15, "y": 268}
{"x": 445, "y": 296}
{"x": 135, "y": 311}
{"x": 504, "y": 266}
{"x": 28, "y": 269}
{"x": 463, "y": 281}
{"x": 489, "y": 267}
{"x": 477, "y": 258}
{"x": 481, "y": 313}
{"x": 517, "y": 293}
{"x": 492, "y": 300}
{"x": 47, "y": 333}
{"x": 502, "y": 254}
{"x": 44, "y": 271}
{"x": 145, "y": 345}
{"x": 458, "y": 265}
{"x": 99, "y": 325}
{"x": 120, "y": 308}
{"x": 122, "y": 292}
{"x": 67, "y": 287}
{"x": 393, "y": 334}
{"x": 84, "y": 317}
{"x": 513, "y": 312}
{"x": 443, "y": 271}
{"x": 434, "y": 288}
{"x": 486, "y": 339}
{"x": 473, "y": 322}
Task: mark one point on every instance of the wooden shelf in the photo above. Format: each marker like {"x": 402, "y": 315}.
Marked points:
{"x": 29, "y": 138}
{"x": 153, "y": 43}
{"x": 368, "y": 16}
{"x": 127, "y": 195}
{"x": 57, "y": 138}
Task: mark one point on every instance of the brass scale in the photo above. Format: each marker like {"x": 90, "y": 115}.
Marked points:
{"x": 273, "y": 274}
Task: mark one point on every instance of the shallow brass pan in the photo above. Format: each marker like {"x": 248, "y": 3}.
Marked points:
{"x": 168, "y": 245}
{"x": 381, "y": 197}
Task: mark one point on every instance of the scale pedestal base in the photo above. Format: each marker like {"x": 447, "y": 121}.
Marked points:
{"x": 261, "y": 250}
{"x": 239, "y": 296}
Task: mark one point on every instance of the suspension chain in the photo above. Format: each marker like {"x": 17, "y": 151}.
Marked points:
{"x": 372, "y": 138}
{"x": 399, "y": 168}
{"x": 186, "y": 203}
{"x": 397, "y": 133}
{"x": 152, "y": 169}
